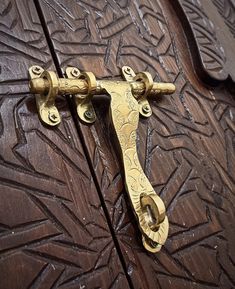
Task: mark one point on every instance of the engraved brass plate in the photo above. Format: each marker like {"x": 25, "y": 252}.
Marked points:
{"x": 128, "y": 100}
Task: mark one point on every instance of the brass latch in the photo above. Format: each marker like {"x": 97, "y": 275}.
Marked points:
{"x": 128, "y": 100}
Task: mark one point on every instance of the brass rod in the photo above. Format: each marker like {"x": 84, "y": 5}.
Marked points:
{"x": 80, "y": 86}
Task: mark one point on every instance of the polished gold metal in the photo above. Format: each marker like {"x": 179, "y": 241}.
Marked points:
{"x": 148, "y": 207}
{"x": 146, "y": 78}
{"x": 128, "y": 100}
{"x": 47, "y": 110}
{"x": 85, "y": 109}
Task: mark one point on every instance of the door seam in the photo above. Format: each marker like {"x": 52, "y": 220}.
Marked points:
{"x": 83, "y": 143}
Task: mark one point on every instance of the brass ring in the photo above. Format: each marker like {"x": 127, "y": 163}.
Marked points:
{"x": 156, "y": 208}
{"x": 91, "y": 81}
{"x": 145, "y": 77}
{"x": 154, "y": 241}
{"x": 154, "y": 222}
{"x": 53, "y": 86}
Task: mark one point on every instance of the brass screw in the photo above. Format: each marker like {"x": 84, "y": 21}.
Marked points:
{"x": 53, "y": 117}
{"x": 88, "y": 114}
{"x": 75, "y": 72}
{"x": 146, "y": 108}
{"x": 37, "y": 70}
{"x": 127, "y": 70}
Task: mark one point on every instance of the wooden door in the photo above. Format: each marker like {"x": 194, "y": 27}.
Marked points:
{"x": 65, "y": 218}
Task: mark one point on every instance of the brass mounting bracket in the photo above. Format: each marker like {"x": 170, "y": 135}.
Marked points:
{"x": 130, "y": 76}
{"x": 128, "y": 100}
{"x": 48, "y": 113}
{"x": 85, "y": 109}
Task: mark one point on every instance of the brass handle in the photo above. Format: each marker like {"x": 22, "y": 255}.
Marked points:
{"x": 148, "y": 207}
{"x": 128, "y": 100}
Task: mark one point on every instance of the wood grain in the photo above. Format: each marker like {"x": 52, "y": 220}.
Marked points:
{"x": 186, "y": 147}
{"x": 53, "y": 231}
{"x": 210, "y": 37}
{"x": 21, "y": 40}
{"x": 226, "y": 9}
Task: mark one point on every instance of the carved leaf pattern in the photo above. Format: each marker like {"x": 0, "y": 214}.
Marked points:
{"x": 209, "y": 38}
{"x": 211, "y": 50}
{"x": 227, "y": 10}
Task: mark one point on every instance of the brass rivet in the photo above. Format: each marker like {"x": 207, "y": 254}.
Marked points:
{"x": 53, "y": 117}
{"x": 146, "y": 108}
{"x": 37, "y": 70}
{"x": 75, "y": 72}
{"x": 88, "y": 114}
{"x": 127, "y": 70}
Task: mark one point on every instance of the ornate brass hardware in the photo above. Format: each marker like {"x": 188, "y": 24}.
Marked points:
{"x": 128, "y": 100}
{"x": 47, "y": 110}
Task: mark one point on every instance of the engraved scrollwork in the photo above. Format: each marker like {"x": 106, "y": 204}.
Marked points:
{"x": 150, "y": 213}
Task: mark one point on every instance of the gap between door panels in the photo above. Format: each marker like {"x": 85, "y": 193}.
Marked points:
{"x": 80, "y": 135}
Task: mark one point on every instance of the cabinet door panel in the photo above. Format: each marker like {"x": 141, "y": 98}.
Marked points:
{"x": 185, "y": 147}
{"x": 53, "y": 231}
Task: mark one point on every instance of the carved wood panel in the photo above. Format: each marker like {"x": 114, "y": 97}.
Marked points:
{"x": 53, "y": 231}
{"x": 226, "y": 9}
{"x": 210, "y": 37}
{"x": 21, "y": 40}
{"x": 186, "y": 147}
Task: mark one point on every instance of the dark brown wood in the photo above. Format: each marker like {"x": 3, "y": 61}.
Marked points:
{"x": 226, "y": 8}
{"x": 210, "y": 37}
{"x": 53, "y": 231}
{"x": 186, "y": 147}
{"x": 21, "y": 41}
